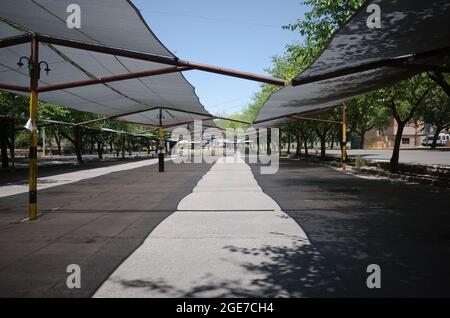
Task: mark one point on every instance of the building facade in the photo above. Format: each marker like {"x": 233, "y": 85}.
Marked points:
{"x": 413, "y": 135}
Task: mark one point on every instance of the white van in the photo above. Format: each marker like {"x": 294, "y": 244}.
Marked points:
{"x": 442, "y": 140}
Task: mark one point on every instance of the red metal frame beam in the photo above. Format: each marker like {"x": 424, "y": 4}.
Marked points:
{"x": 316, "y": 119}
{"x": 14, "y": 87}
{"x": 136, "y": 123}
{"x": 313, "y": 112}
{"x": 233, "y": 73}
{"x": 115, "y": 116}
{"x": 203, "y": 119}
{"x": 207, "y": 117}
{"x": 401, "y": 62}
{"x": 188, "y": 112}
{"x": 15, "y": 40}
{"x": 114, "y": 78}
{"x": 109, "y": 50}
{"x": 184, "y": 123}
{"x": 160, "y": 59}
{"x": 232, "y": 119}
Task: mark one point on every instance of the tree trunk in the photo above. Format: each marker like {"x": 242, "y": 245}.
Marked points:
{"x": 396, "y": 151}
{"x": 323, "y": 141}
{"x": 4, "y": 149}
{"x": 100, "y": 150}
{"x": 435, "y": 138}
{"x": 130, "y": 148}
{"x": 306, "y": 147}
{"x": 362, "y": 136}
{"x": 299, "y": 144}
{"x": 289, "y": 144}
{"x": 57, "y": 137}
{"x": 12, "y": 144}
{"x": 123, "y": 147}
{"x": 91, "y": 147}
{"x": 4, "y": 141}
{"x": 439, "y": 78}
{"x": 79, "y": 144}
{"x": 58, "y": 144}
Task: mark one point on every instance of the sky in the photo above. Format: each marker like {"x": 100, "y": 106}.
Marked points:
{"x": 239, "y": 34}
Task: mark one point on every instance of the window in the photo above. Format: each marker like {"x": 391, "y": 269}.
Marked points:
{"x": 405, "y": 141}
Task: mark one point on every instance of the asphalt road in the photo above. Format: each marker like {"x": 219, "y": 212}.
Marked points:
{"x": 349, "y": 222}
{"x": 98, "y": 224}
{"x": 353, "y": 222}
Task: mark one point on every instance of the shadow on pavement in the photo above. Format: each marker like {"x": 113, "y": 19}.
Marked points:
{"x": 354, "y": 222}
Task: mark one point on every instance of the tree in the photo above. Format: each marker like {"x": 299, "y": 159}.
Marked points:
{"x": 54, "y": 112}
{"x": 405, "y": 100}
{"x": 437, "y": 112}
{"x": 364, "y": 113}
{"x": 322, "y": 131}
{"x": 75, "y": 134}
{"x": 290, "y": 129}
{"x": 14, "y": 112}
{"x": 306, "y": 131}
{"x": 441, "y": 80}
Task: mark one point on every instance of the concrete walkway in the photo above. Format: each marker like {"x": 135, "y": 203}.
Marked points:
{"x": 223, "y": 241}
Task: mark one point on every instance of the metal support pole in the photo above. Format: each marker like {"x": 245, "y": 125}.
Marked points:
{"x": 13, "y": 141}
{"x": 279, "y": 142}
{"x": 161, "y": 143}
{"x": 32, "y": 167}
{"x": 123, "y": 146}
{"x": 257, "y": 141}
{"x": 344, "y": 136}
{"x": 247, "y": 146}
{"x": 43, "y": 142}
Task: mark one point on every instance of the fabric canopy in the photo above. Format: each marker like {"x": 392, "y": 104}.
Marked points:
{"x": 113, "y": 24}
{"x": 414, "y": 36}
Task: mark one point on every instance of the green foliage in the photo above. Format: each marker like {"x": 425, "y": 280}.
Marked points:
{"x": 15, "y": 106}
{"x": 406, "y": 99}
{"x": 437, "y": 112}
{"x": 364, "y": 113}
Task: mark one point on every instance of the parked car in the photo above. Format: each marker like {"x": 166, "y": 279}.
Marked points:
{"x": 442, "y": 140}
